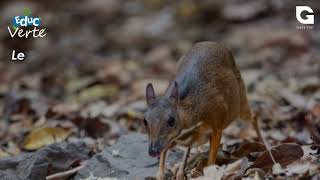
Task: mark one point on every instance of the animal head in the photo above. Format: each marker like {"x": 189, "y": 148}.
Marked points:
{"x": 161, "y": 120}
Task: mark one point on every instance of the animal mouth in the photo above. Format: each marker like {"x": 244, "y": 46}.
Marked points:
{"x": 155, "y": 148}
{"x": 165, "y": 148}
{"x": 157, "y": 154}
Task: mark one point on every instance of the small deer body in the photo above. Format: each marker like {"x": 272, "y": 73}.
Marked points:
{"x": 211, "y": 89}
{"x": 205, "y": 96}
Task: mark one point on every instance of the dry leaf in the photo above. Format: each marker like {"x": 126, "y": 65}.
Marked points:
{"x": 45, "y": 136}
{"x": 78, "y": 84}
{"x": 97, "y": 92}
{"x": 95, "y": 127}
{"x": 3, "y": 154}
{"x": 248, "y": 148}
{"x": 283, "y": 154}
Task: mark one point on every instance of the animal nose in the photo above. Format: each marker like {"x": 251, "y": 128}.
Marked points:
{"x": 155, "y": 148}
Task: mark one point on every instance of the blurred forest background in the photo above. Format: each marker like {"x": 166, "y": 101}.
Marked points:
{"x": 85, "y": 80}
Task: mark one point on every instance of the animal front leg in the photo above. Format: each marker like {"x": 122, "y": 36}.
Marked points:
{"x": 215, "y": 139}
{"x": 160, "y": 174}
{"x": 180, "y": 174}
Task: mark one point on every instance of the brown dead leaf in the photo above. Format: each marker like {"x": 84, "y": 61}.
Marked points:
{"x": 283, "y": 154}
{"x": 16, "y": 105}
{"x": 45, "y": 136}
{"x": 94, "y": 127}
{"x": 248, "y": 148}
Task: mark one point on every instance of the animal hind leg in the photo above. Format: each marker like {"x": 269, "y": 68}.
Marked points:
{"x": 256, "y": 127}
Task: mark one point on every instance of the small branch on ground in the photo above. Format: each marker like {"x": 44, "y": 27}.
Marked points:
{"x": 65, "y": 174}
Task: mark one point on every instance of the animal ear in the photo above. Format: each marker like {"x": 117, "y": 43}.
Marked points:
{"x": 150, "y": 95}
{"x": 174, "y": 96}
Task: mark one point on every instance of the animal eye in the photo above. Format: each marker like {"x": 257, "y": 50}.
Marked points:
{"x": 145, "y": 122}
{"x": 171, "y": 121}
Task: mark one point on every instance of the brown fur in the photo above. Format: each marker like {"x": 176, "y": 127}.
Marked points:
{"x": 215, "y": 92}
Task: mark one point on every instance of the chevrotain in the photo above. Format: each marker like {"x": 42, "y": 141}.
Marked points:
{"x": 205, "y": 96}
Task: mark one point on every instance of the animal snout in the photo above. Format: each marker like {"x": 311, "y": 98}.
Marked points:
{"x": 155, "y": 148}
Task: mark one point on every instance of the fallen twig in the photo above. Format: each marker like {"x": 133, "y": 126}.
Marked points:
{"x": 66, "y": 173}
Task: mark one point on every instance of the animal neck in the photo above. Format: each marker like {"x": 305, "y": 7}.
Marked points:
{"x": 186, "y": 113}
